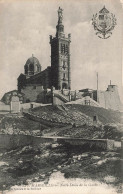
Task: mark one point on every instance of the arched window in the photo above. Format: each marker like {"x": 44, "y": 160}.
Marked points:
{"x": 36, "y": 68}
{"x": 26, "y": 69}
{"x": 62, "y": 48}
{"x": 31, "y": 67}
{"x": 64, "y": 64}
{"x": 64, "y": 86}
{"x": 66, "y": 49}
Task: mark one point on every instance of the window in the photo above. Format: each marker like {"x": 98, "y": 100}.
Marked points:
{"x": 26, "y": 69}
{"x": 61, "y": 29}
{"x": 66, "y": 49}
{"x": 64, "y": 64}
{"x": 64, "y": 86}
{"x": 61, "y": 62}
{"x": 64, "y": 75}
{"x": 36, "y": 68}
{"x": 31, "y": 67}
{"x": 63, "y": 48}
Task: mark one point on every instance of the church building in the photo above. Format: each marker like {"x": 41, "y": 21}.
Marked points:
{"x": 56, "y": 75}
{"x": 53, "y": 85}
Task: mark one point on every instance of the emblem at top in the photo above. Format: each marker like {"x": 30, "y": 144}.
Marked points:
{"x": 104, "y": 22}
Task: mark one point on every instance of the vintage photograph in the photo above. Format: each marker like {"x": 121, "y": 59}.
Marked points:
{"x": 61, "y": 96}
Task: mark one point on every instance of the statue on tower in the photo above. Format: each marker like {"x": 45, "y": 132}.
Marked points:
{"x": 60, "y": 16}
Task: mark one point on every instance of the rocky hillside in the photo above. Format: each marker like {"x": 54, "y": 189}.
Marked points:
{"x": 81, "y": 117}
{"x": 109, "y": 126}
{"x": 36, "y": 165}
{"x": 79, "y": 114}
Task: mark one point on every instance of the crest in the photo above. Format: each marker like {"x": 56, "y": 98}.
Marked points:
{"x": 104, "y": 22}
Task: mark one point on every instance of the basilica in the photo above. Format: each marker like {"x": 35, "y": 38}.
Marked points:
{"x": 53, "y": 85}
{"x": 56, "y": 75}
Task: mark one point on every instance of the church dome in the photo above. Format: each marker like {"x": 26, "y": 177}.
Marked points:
{"x": 32, "y": 66}
{"x": 33, "y": 60}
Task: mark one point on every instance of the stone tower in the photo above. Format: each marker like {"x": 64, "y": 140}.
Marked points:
{"x": 60, "y": 56}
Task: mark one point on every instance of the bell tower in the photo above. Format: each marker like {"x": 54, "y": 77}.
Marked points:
{"x": 60, "y": 56}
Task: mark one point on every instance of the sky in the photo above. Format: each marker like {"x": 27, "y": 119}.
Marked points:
{"x": 25, "y": 26}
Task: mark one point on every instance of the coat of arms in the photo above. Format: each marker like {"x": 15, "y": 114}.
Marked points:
{"x": 104, "y": 22}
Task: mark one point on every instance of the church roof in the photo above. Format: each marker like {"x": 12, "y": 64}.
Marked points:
{"x": 33, "y": 60}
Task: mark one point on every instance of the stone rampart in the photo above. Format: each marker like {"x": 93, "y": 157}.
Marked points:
{"x": 110, "y": 99}
{"x": 14, "y": 141}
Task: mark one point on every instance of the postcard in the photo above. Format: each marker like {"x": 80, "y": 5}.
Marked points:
{"x": 61, "y": 96}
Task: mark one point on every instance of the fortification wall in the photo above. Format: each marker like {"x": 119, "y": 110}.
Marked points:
{"x": 109, "y": 99}
{"x": 14, "y": 141}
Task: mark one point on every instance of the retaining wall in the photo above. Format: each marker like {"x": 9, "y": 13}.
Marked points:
{"x": 13, "y": 141}
{"x": 103, "y": 144}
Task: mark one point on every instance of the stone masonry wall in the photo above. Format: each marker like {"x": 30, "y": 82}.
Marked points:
{"x": 31, "y": 92}
{"x": 14, "y": 141}
{"x": 109, "y": 99}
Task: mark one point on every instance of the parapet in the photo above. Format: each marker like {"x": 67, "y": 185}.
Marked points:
{"x": 112, "y": 88}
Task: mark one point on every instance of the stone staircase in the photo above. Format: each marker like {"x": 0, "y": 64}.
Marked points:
{"x": 61, "y": 97}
